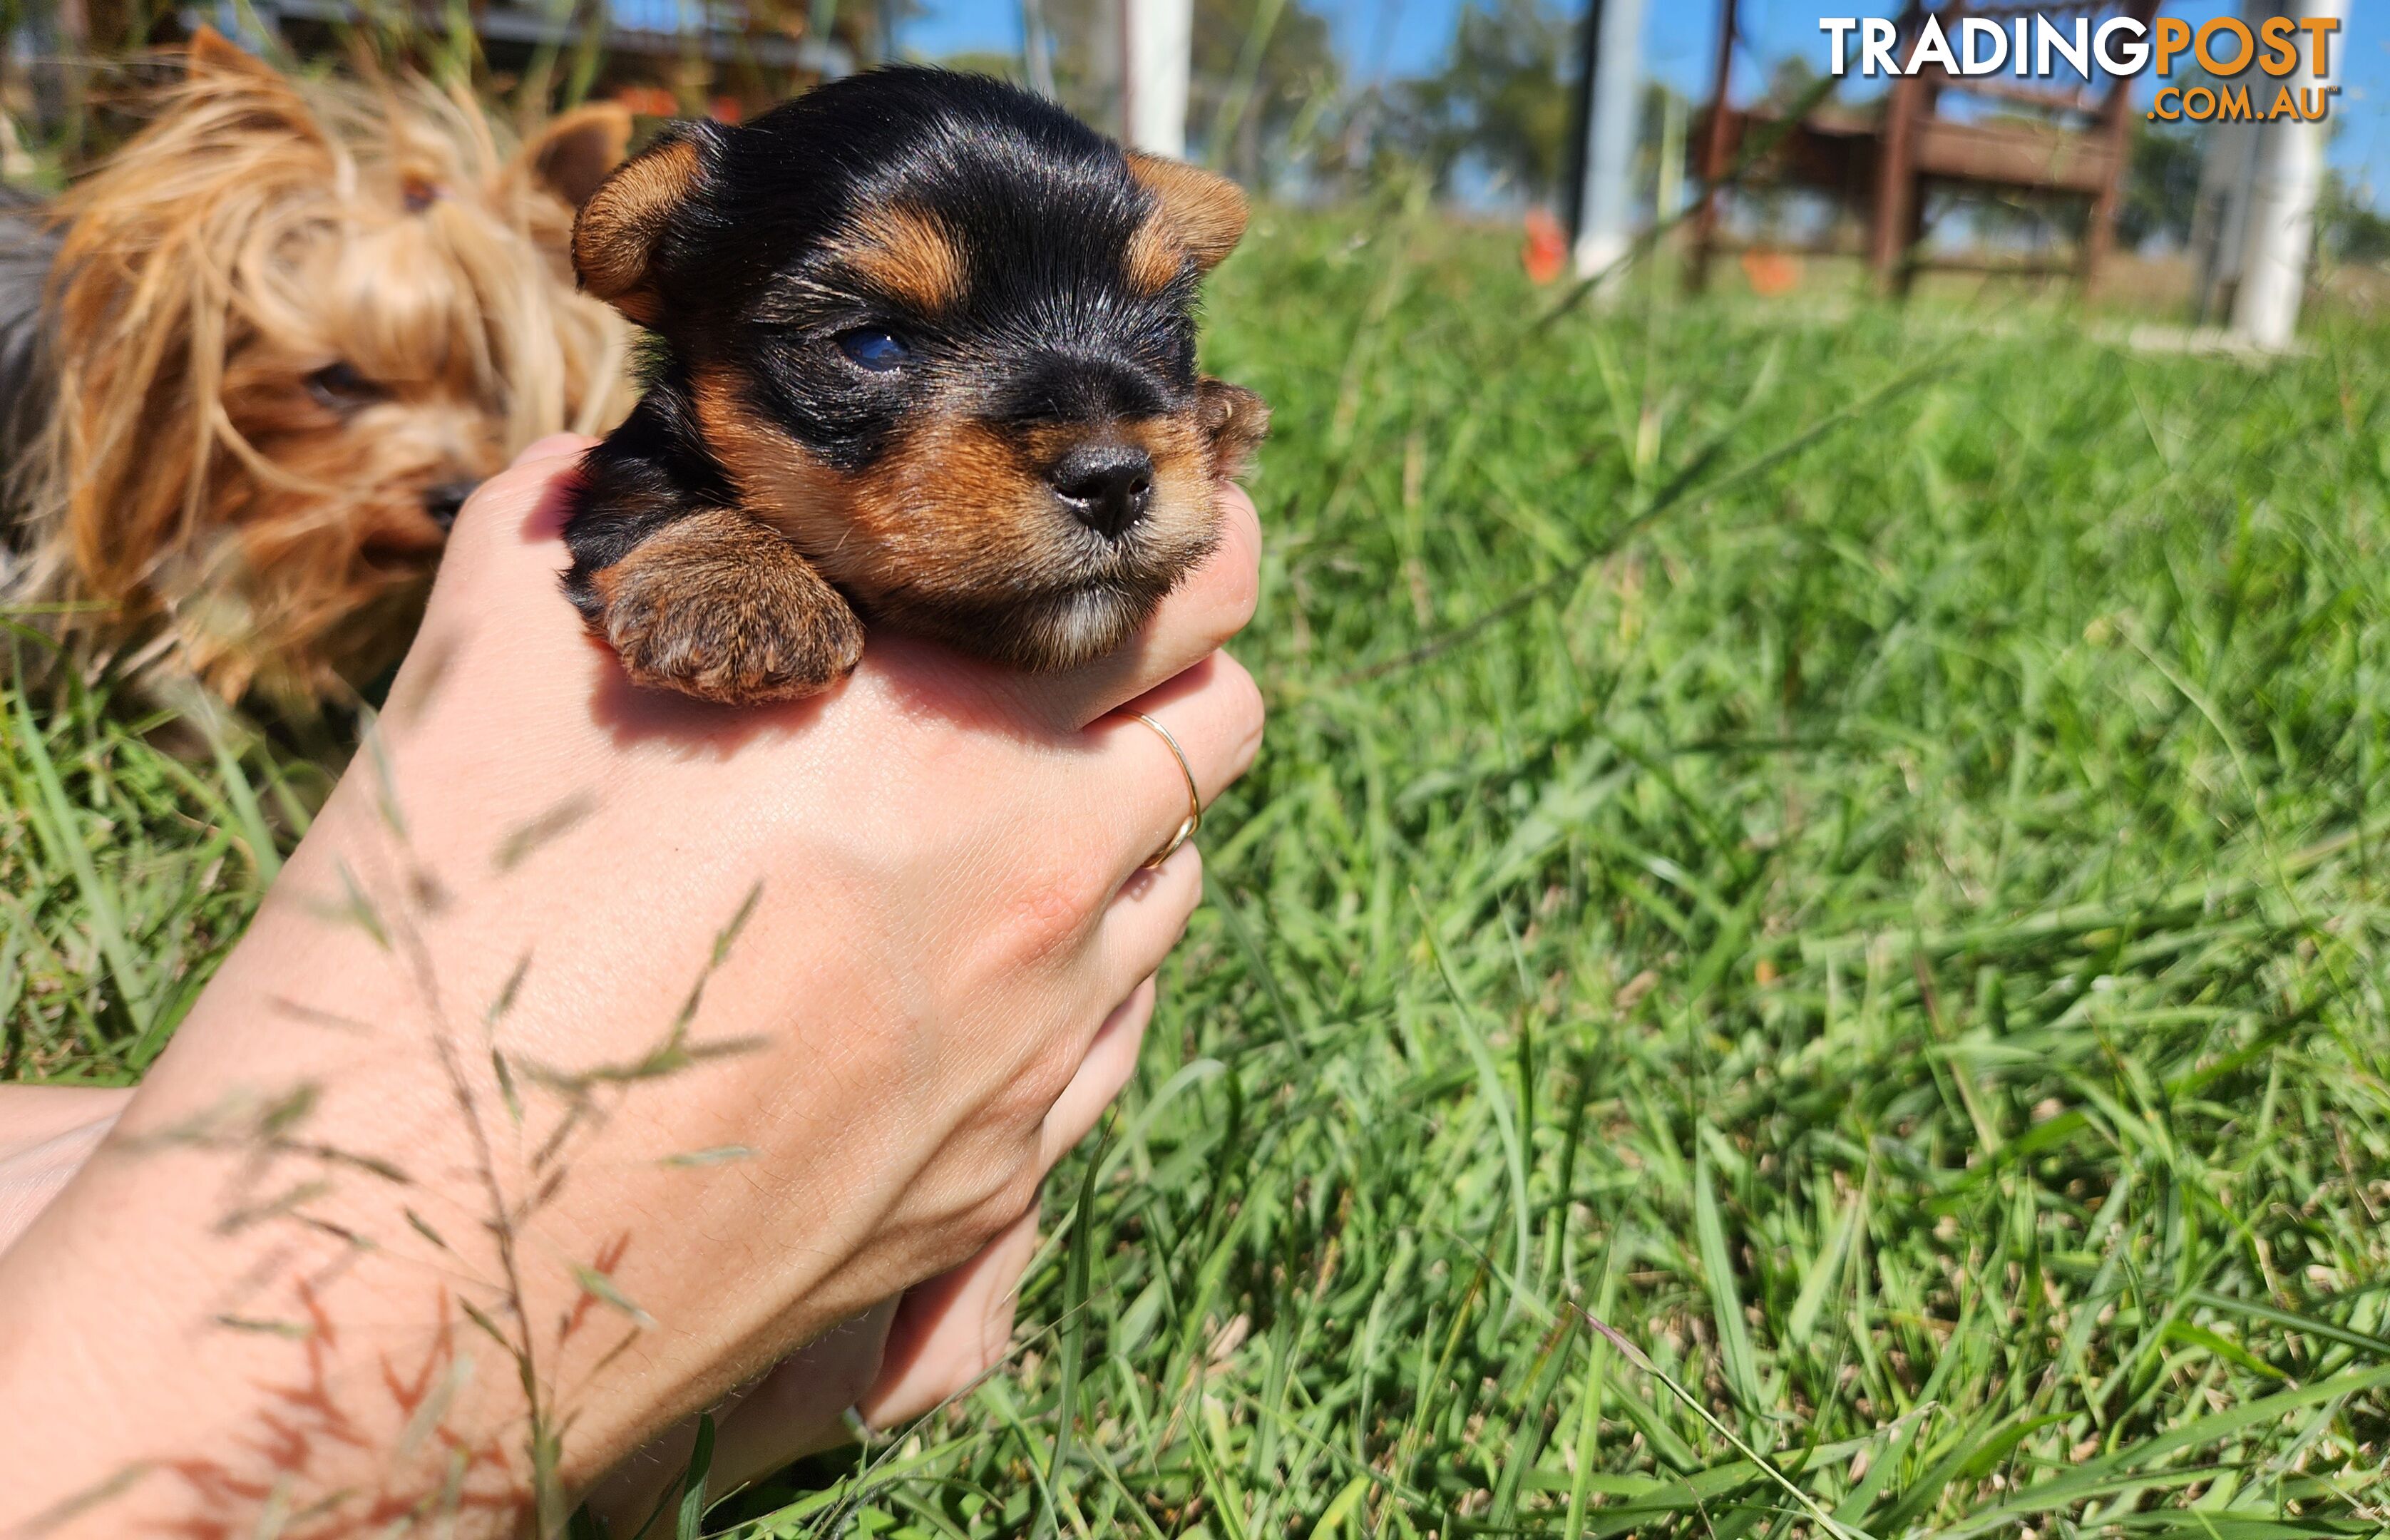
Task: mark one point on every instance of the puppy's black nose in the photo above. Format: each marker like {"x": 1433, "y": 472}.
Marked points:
{"x": 441, "y": 502}
{"x": 1107, "y": 487}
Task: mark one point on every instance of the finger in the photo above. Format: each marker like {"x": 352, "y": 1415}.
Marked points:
{"x": 1110, "y": 1062}
{"x": 800, "y": 1406}
{"x": 797, "y": 1409}
{"x": 518, "y": 509}
{"x": 500, "y": 574}
{"x": 1213, "y": 713}
{"x": 951, "y": 1330}
{"x": 1144, "y": 920}
{"x": 1212, "y": 605}
{"x": 555, "y": 447}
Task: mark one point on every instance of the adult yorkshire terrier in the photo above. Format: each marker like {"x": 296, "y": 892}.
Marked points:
{"x": 260, "y": 356}
{"x": 928, "y": 357}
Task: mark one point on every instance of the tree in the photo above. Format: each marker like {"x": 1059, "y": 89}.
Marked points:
{"x": 2350, "y": 229}
{"x": 1501, "y": 101}
{"x": 2161, "y": 186}
{"x": 1263, "y": 70}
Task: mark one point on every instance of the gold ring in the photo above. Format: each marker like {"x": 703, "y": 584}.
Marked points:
{"x": 1194, "y": 819}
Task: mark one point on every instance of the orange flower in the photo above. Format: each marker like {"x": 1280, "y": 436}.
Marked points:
{"x": 1545, "y": 251}
{"x": 1771, "y": 272}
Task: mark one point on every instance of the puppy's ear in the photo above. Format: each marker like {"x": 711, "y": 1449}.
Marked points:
{"x": 616, "y": 240}
{"x": 213, "y": 55}
{"x": 1234, "y": 421}
{"x": 1202, "y": 212}
{"x": 225, "y": 77}
{"x": 574, "y": 154}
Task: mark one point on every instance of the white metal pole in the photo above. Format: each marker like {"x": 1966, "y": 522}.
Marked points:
{"x": 2280, "y": 224}
{"x": 1668, "y": 196}
{"x": 1037, "y": 47}
{"x": 1158, "y": 46}
{"x": 1605, "y": 228}
{"x": 2219, "y": 239}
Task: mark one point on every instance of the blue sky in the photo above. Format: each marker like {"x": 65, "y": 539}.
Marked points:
{"x": 1407, "y": 36}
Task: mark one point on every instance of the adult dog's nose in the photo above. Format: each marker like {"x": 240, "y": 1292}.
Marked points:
{"x": 1107, "y": 487}
{"x": 441, "y": 502}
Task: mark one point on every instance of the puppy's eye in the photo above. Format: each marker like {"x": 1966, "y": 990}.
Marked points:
{"x": 871, "y": 348}
{"x": 341, "y": 388}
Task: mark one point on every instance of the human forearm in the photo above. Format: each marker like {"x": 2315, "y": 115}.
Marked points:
{"x": 333, "y": 1219}
{"x": 377, "y": 1245}
{"x": 592, "y": 1053}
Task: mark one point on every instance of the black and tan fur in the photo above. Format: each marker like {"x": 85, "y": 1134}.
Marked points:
{"x": 927, "y": 357}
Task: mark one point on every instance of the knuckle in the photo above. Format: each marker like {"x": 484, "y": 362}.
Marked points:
{"x": 1051, "y": 909}
{"x": 1049, "y": 1074}
{"x": 958, "y": 1238}
{"x": 1005, "y": 1203}
{"x": 1020, "y": 1192}
{"x": 1034, "y": 1089}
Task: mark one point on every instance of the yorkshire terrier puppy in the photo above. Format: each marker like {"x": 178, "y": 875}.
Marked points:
{"x": 927, "y": 357}
{"x": 255, "y": 361}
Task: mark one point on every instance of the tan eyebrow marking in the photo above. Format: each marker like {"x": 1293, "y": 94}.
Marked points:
{"x": 907, "y": 253}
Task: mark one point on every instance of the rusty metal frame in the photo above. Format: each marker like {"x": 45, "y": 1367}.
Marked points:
{"x": 1915, "y": 147}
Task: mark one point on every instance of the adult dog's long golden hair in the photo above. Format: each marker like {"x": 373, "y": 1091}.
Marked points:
{"x": 288, "y": 326}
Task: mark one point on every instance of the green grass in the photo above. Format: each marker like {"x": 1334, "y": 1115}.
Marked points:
{"x": 1806, "y": 950}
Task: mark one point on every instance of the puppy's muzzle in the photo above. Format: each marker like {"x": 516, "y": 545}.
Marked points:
{"x": 1107, "y": 487}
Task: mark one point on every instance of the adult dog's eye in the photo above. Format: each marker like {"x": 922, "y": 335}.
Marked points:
{"x": 871, "y": 348}
{"x": 341, "y": 388}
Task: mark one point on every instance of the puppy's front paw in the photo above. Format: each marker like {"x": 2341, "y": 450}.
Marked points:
{"x": 716, "y": 606}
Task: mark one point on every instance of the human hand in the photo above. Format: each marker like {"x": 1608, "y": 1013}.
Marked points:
{"x": 902, "y": 1358}
{"x": 532, "y": 871}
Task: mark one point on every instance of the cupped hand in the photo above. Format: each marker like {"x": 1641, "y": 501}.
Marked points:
{"x": 597, "y": 1048}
